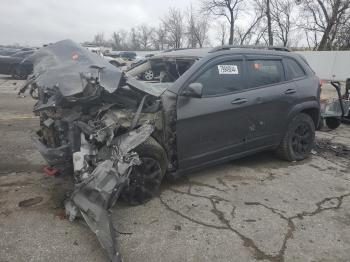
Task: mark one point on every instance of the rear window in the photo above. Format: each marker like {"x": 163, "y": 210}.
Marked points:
{"x": 265, "y": 72}
{"x": 293, "y": 69}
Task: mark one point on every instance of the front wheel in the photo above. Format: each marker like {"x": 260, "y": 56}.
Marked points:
{"x": 145, "y": 179}
{"x": 299, "y": 139}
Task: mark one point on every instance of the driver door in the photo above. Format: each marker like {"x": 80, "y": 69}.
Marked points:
{"x": 213, "y": 126}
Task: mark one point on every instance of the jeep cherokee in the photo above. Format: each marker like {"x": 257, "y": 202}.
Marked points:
{"x": 116, "y": 135}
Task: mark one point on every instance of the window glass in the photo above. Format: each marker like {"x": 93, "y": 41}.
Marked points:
{"x": 222, "y": 78}
{"x": 265, "y": 72}
{"x": 293, "y": 69}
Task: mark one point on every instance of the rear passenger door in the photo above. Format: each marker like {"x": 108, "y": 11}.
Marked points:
{"x": 296, "y": 73}
{"x": 273, "y": 98}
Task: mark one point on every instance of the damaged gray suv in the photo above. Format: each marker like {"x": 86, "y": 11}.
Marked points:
{"x": 115, "y": 135}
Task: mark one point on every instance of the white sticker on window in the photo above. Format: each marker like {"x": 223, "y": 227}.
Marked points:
{"x": 228, "y": 70}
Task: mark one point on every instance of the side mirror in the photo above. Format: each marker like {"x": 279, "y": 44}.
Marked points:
{"x": 193, "y": 90}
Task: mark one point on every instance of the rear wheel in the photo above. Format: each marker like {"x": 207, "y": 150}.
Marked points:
{"x": 333, "y": 122}
{"x": 145, "y": 179}
{"x": 299, "y": 139}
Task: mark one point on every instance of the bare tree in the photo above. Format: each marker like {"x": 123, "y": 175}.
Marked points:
{"x": 226, "y": 8}
{"x": 202, "y": 29}
{"x": 269, "y": 21}
{"x": 174, "y": 25}
{"x": 222, "y": 33}
{"x": 246, "y": 34}
{"x": 99, "y": 39}
{"x": 343, "y": 39}
{"x": 281, "y": 15}
{"x": 134, "y": 39}
{"x": 264, "y": 6}
{"x": 116, "y": 41}
{"x": 325, "y": 18}
{"x": 191, "y": 27}
{"x": 197, "y": 28}
{"x": 145, "y": 36}
{"x": 119, "y": 40}
{"x": 159, "y": 37}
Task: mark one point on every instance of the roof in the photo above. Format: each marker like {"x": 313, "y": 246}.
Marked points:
{"x": 203, "y": 52}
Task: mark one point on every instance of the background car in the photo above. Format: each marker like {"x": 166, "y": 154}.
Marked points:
{"x": 16, "y": 64}
{"x": 118, "y": 62}
{"x": 166, "y": 66}
{"x": 128, "y": 55}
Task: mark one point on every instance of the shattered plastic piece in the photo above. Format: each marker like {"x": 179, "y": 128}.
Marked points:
{"x": 79, "y": 157}
{"x": 129, "y": 141}
{"x": 94, "y": 197}
{"x": 49, "y": 122}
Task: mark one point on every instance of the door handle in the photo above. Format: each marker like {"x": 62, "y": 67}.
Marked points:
{"x": 239, "y": 101}
{"x": 290, "y": 91}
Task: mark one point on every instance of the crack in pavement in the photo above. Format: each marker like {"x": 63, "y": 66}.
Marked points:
{"x": 248, "y": 242}
{"x": 291, "y": 225}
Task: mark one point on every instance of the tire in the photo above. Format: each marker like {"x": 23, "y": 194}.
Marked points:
{"x": 146, "y": 178}
{"x": 333, "y": 122}
{"x": 298, "y": 140}
{"x": 148, "y": 75}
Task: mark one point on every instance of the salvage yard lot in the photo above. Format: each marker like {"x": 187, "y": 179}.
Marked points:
{"x": 256, "y": 208}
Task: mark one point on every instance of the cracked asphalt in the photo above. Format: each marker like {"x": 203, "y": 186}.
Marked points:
{"x": 253, "y": 209}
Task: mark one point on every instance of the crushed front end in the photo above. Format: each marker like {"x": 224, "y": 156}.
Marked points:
{"x": 91, "y": 120}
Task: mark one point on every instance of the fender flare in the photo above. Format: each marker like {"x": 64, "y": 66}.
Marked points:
{"x": 313, "y": 105}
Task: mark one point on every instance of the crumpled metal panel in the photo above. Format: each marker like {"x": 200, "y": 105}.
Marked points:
{"x": 61, "y": 64}
{"x": 99, "y": 191}
{"x": 82, "y": 134}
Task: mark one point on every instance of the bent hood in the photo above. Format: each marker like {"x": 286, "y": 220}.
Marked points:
{"x": 63, "y": 63}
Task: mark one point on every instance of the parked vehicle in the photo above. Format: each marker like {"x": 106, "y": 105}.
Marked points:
{"x": 16, "y": 64}
{"x": 116, "y": 135}
{"x": 8, "y": 51}
{"x": 166, "y": 66}
{"x": 118, "y": 62}
{"x": 336, "y": 111}
{"x": 128, "y": 55}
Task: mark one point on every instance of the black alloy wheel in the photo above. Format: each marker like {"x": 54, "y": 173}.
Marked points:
{"x": 145, "y": 179}
{"x": 299, "y": 138}
{"x": 302, "y": 139}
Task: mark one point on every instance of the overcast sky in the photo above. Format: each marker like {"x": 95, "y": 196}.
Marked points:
{"x": 35, "y": 22}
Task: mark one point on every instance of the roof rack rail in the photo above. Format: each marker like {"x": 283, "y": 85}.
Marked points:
{"x": 175, "y": 49}
{"x": 228, "y": 47}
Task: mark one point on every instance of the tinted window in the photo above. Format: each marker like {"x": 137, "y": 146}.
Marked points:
{"x": 265, "y": 72}
{"x": 222, "y": 78}
{"x": 293, "y": 69}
